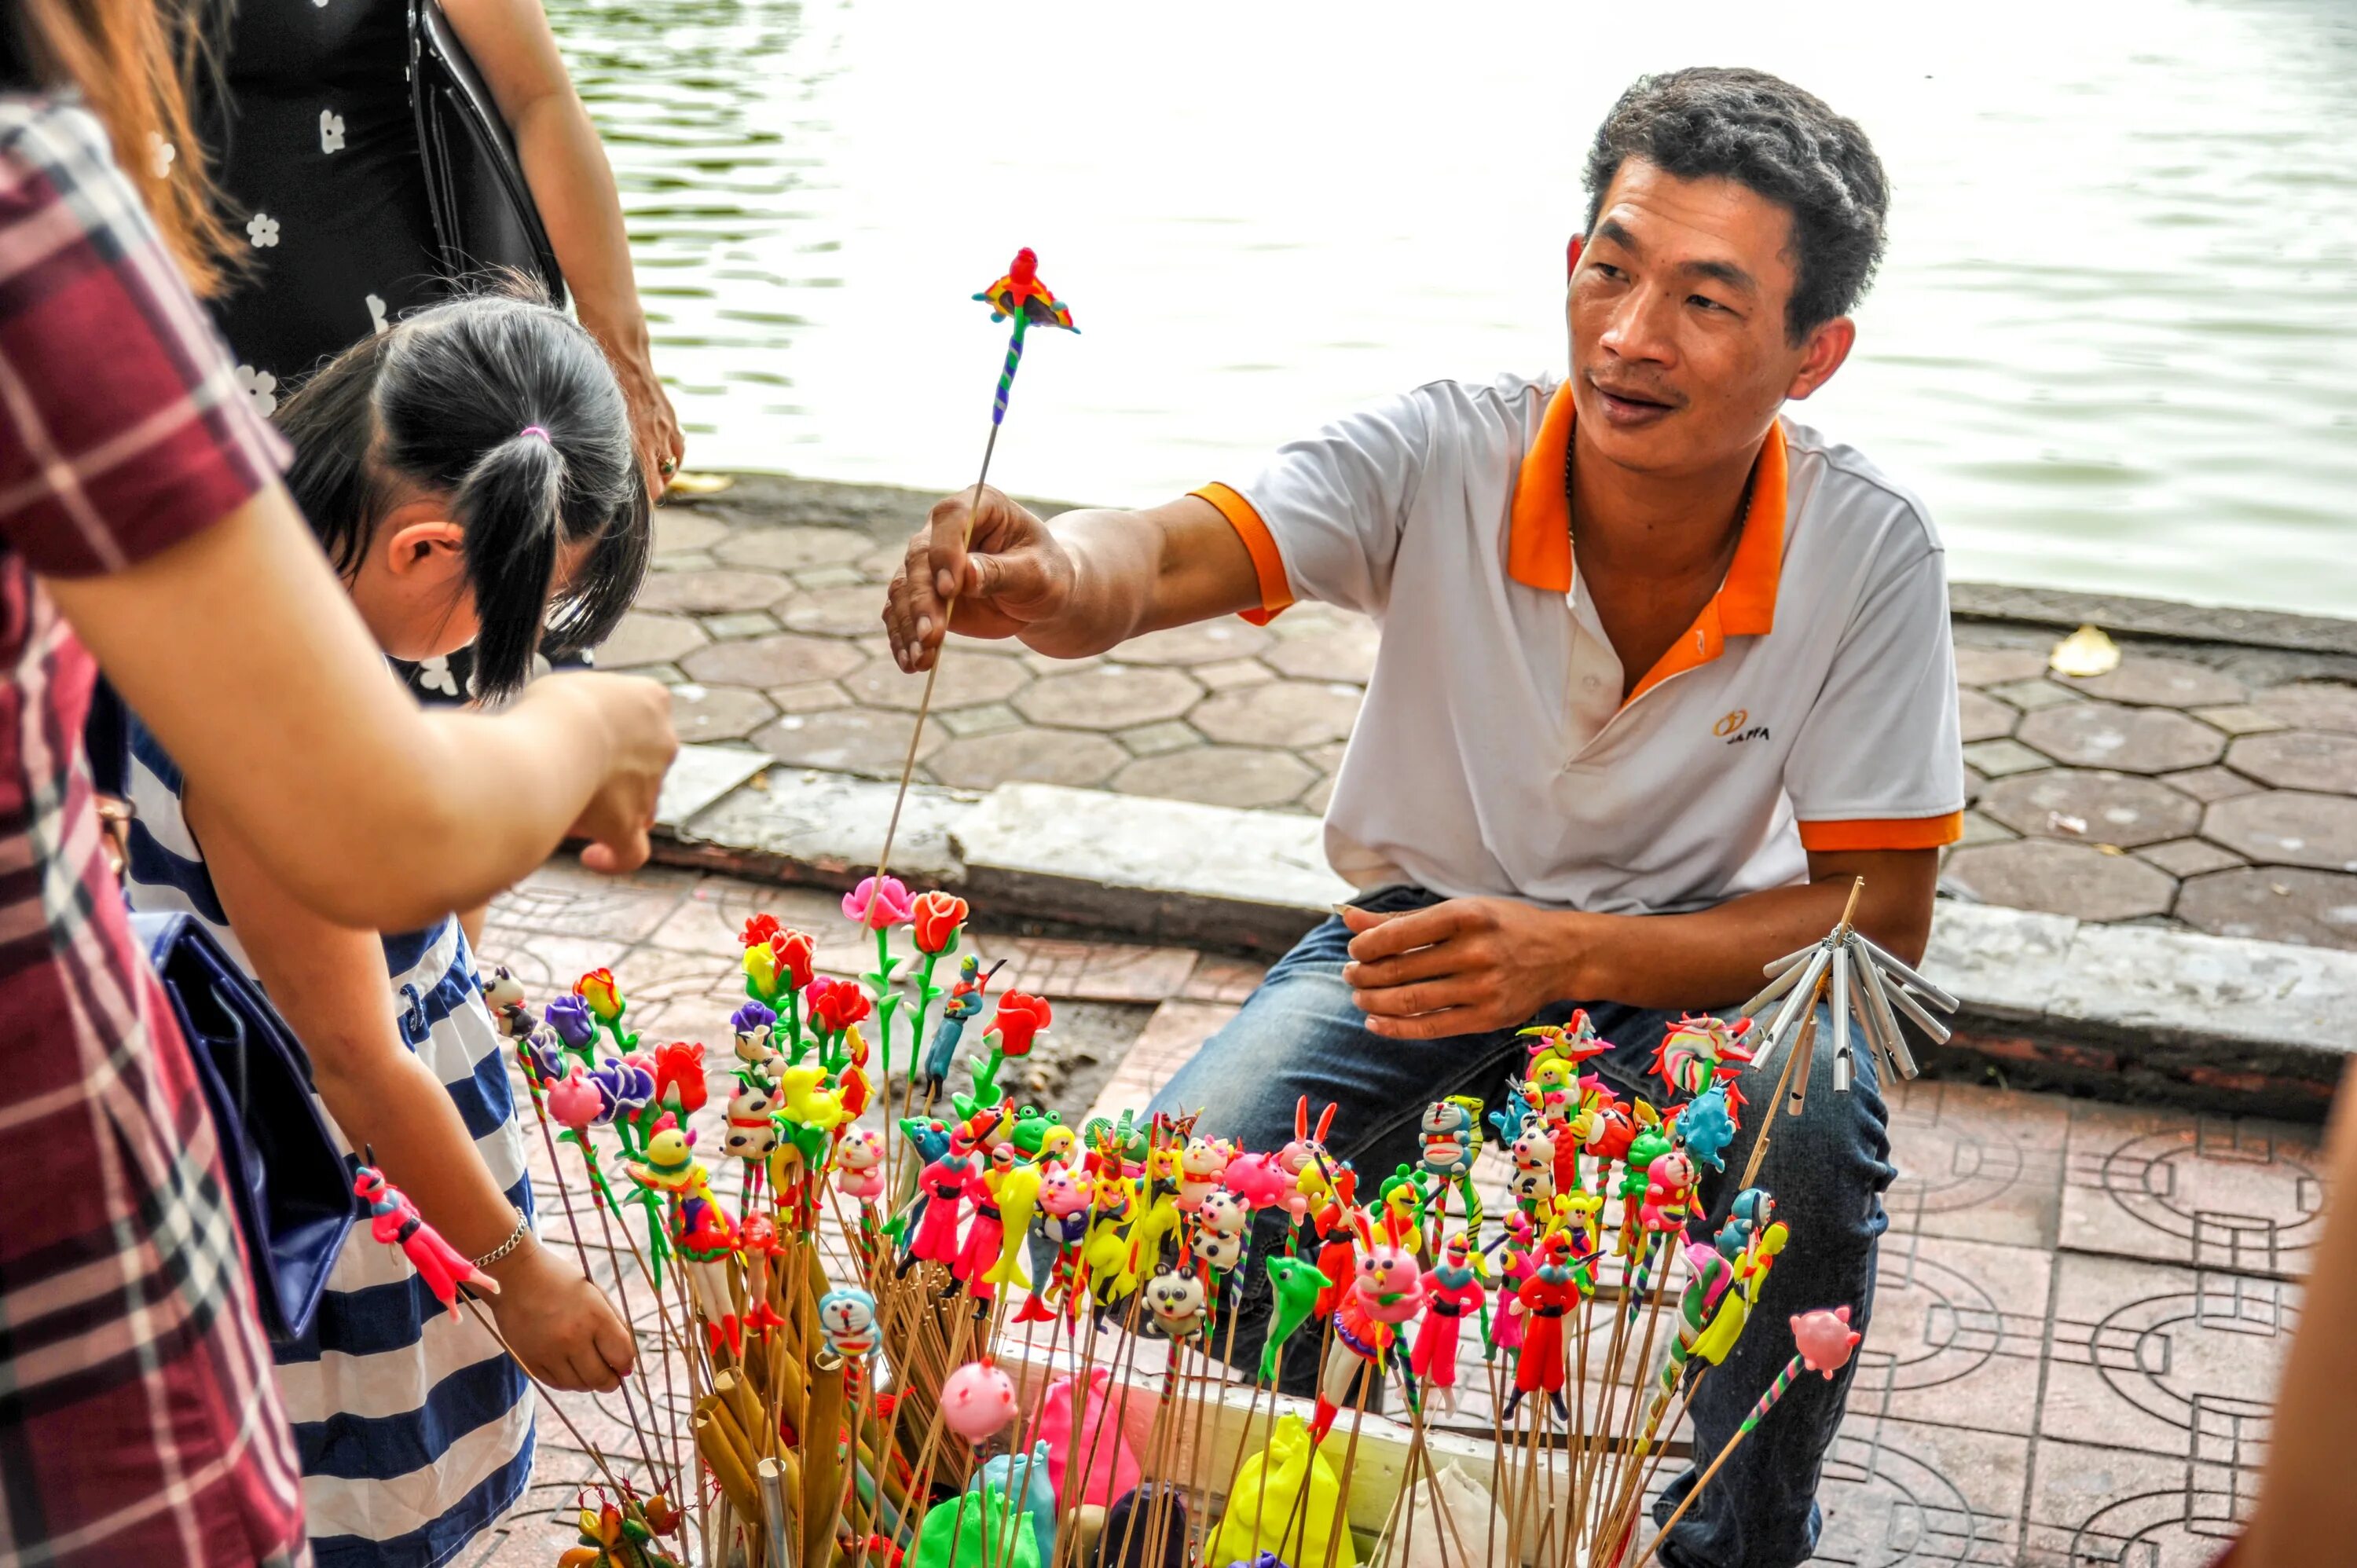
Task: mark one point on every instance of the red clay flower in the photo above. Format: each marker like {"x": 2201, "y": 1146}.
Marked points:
{"x": 795, "y": 950}
{"x": 679, "y": 1077}
{"x": 934, "y": 921}
{"x": 760, "y": 930}
{"x": 1019, "y": 1017}
{"x": 835, "y": 1005}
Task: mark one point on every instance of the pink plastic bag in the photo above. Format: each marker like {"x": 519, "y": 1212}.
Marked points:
{"x": 1111, "y": 1469}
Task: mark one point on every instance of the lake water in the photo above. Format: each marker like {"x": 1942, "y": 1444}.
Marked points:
{"x": 2113, "y": 346}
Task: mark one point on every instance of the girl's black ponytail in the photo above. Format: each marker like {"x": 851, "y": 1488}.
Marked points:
{"x": 512, "y": 505}
{"x": 509, "y": 409}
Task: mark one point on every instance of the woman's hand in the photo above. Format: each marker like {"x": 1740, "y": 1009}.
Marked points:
{"x": 559, "y": 1325}
{"x": 635, "y": 715}
{"x": 654, "y": 427}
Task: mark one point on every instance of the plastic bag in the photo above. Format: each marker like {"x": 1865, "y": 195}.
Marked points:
{"x": 1258, "y": 1515}
{"x": 974, "y": 1531}
{"x": 1104, "y": 1454}
{"x": 1025, "y": 1475}
{"x": 1427, "y": 1538}
{"x": 1123, "y": 1543}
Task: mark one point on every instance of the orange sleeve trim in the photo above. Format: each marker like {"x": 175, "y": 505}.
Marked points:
{"x": 1895, "y": 833}
{"x": 1275, "y": 590}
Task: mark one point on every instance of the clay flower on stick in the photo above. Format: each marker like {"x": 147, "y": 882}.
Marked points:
{"x": 880, "y": 903}
{"x": 606, "y": 1004}
{"x": 1020, "y": 1020}
{"x": 569, "y": 1016}
{"x": 936, "y": 921}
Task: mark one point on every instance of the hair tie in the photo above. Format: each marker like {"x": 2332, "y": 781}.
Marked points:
{"x": 535, "y": 430}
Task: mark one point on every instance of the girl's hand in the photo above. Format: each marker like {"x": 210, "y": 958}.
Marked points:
{"x": 562, "y": 1326}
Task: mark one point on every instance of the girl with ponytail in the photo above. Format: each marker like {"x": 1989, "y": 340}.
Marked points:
{"x": 470, "y": 473}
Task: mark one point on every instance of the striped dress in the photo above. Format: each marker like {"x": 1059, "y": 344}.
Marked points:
{"x": 415, "y": 1429}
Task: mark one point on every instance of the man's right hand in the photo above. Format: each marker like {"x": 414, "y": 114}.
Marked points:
{"x": 1007, "y": 575}
{"x": 635, "y": 715}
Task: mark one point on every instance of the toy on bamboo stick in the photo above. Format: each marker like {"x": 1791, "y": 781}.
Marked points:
{"x": 503, "y": 994}
{"x": 1296, "y": 1285}
{"x": 859, "y": 1164}
{"x": 945, "y": 1185}
{"x": 846, "y": 1320}
{"x": 1012, "y": 1190}
{"x": 977, "y": 1399}
{"x": 614, "y": 1537}
{"x": 1386, "y": 1290}
{"x": 963, "y": 1003}
{"x": 1452, "y": 1292}
{"x": 1014, "y": 1029}
{"x": 1220, "y": 1221}
{"x": 395, "y": 1220}
{"x": 1175, "y": 1302}
{"x": 1451, "y": 1131}
{"x": 1201, "y": 1166}
{"x": 1541, "y": 1302}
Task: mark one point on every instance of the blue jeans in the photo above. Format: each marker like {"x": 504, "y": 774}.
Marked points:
{"x": 1299, "y": 1034}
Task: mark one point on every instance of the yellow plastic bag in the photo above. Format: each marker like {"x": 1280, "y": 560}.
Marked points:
{"x": 1272, "y": 1518}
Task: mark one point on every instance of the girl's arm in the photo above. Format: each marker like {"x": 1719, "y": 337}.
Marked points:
{"x": 330, "y": 984}
{"x": 238, "y": 648}
{"x": 574, "y": 187}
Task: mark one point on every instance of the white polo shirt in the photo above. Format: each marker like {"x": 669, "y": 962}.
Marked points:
{"x": 1811, "y": 704}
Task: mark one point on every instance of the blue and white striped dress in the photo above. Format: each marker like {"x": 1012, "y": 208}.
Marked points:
{"x": 415, "y": 1429}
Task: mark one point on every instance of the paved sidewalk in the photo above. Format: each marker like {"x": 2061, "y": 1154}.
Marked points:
{"x": 2204, "y": 784}
{"x": 2082, "y": 1308}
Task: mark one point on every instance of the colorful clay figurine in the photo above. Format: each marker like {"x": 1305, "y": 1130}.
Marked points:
{"x": 846, "y": 1320}
{"x": 1220, "y": 1221}
{"x": 963, "y": 1002}
{"x": 1707, "y": 1126}
{"x": 1014, "y": 1191}
{"x": 979, "y": 1253}
{"x": 1542, "y": 1301}
{"x": 1750, "y": 1209}
{"x": 751, "y": 1133}
{"x": 1452, "y": 1292}
{"x": 395, "y": 1220}
{"x": 1385, "y": 1292}
{"x": 977, "y": 1399}
{"x": 1305, "y": 1150}
{"x": 503, "y": 994}
{"x": 1201, "y": 1166}
{"x": 1296, "y": 1283}
{"x": 1175, "y": 1302}
{"x": 944, "y": 1184}
{"x": 859, "y": 1164}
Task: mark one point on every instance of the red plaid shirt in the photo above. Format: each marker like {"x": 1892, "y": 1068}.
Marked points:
{"x": 139, "y": 1420}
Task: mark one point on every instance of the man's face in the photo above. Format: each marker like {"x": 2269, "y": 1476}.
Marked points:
{"x": 1679, "y": 355}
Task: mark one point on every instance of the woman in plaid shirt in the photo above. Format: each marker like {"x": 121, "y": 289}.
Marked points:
{"x": 141, "y": 521}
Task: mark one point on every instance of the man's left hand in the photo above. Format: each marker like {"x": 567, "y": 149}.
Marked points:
{"x": 1463, "y": 967}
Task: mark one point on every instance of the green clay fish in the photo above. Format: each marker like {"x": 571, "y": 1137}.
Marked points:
{"x": 1297, "y": 1281}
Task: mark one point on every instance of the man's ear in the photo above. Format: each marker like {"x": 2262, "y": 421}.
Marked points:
{"x": 1828, "y": 346}
{"x": 1571, "y": 254}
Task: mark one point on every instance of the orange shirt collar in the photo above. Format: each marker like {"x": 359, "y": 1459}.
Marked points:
{"x": 1538, "y": 544}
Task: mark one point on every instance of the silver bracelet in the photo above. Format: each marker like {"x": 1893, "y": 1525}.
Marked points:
{"x": 515, "y": 1239}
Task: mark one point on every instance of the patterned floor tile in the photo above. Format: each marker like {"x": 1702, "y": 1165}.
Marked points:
{"x": 563, "y": 899}
{"x": 1898, "y": 1494}
{"x": 2217, "y": 1193}
{"x": 2110, "y": 1508}
{"x": 1958, "y": 1331}
{"x": 1975, "y": 1164}
{"x": 2169, "y": 1361}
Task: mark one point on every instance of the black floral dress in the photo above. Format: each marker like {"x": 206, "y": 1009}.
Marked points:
{"x": 314, "y": 145}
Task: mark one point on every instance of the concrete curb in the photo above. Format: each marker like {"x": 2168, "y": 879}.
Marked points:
{"x": 2118, "y": 1011}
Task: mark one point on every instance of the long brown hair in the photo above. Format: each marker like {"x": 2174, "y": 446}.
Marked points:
{"x": 129, "y": 64}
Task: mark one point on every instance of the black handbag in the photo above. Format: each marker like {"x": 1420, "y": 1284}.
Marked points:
{"x": 484, "y": 216}
{"x": 288, "y": 1184}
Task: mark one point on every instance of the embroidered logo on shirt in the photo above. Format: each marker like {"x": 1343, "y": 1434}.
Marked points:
{"x": 1730, "y": 728}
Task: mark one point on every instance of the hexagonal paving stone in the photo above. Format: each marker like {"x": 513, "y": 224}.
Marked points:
{"x": 1984, "y": 718}
{"x": 967, "y": 680}
{"x": 784, "y": 660}
{"x": 2318, "y": 704}
{"x": 736, "y": 624}
{"x": 1998, "y": 759}
{"x": 1978, "y": 829}
{"x": 1283, "y": 712}
{"x": 2033, "y": 694}
{"x": 1217, "y": 776}
{"x": 717, "y": 712}
{"x": 2062, "y": 879}
{"x": 2239, "y": 718}
{"x": 650, "y": 640}
{"x": 845, "y": 611}
{"x": 1995, "y": 666}
{"x": 1034, "y": 755}
{"x": 847, "y": 740}
{"x": 2189, "y": 857}
{"x": 2133, "y": 740}
{"x": 2298, "y": 759}
{"x": 1320, "y": 796}
{"x": 1227, "y": 674}
{"x": 2114, "y": 808}
{"x": 810, "y": 697}
{"x": 2209, "y": 784}
{"x": 2144, "y": 682}
{"x": 708, "y": 592}
{"x": 680, "y": 528}
{"x": 1346, "y": 653}
{"x": 793, "y": 549}
{"x": 1110, "y": 696}
{"x": 2275, "y": 904}
{"x": 2288, "y": 827}
{"x": 1153, "y": 740}
{"x": 1204, "y": 642}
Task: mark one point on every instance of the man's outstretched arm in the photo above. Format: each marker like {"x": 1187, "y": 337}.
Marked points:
{"x": 1474, "y": 965}
{"x": 1070, "y": 588}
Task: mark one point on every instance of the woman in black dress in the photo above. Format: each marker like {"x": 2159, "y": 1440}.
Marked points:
{"x": 315, "y": 147}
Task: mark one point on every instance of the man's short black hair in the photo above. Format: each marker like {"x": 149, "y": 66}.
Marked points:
{"x": 1764, "y": 133}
